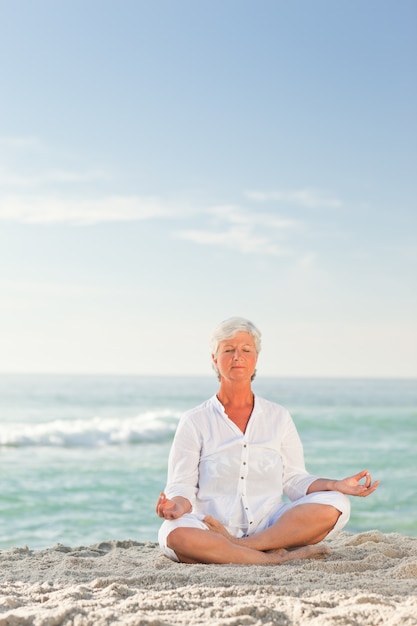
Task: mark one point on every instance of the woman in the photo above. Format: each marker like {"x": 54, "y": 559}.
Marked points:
{"x": 232, "y": 459}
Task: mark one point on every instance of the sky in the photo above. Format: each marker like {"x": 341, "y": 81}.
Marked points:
{"x": 165, "y": 165}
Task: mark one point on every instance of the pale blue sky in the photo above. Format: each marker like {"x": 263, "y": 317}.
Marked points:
{"x": 167, "y": 164}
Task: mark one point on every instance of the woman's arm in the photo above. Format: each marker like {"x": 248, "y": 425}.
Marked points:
{"x": 183, "y": 468}
{"x": 350, "y": 486}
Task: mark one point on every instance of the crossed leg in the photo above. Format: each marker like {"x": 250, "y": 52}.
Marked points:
{"x": 290, "y": 530}
{"x": 193, "y": 545}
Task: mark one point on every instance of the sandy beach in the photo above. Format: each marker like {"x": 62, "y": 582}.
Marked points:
{"x": 370, "y": 578}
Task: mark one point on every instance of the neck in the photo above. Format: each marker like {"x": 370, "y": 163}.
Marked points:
{"x": 235, "y": 393}
{"x": 237, "y": 400}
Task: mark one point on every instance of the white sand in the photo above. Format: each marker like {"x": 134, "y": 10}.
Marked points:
{"x": 370, "y": 578}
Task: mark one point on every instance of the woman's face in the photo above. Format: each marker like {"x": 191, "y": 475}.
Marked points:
{"x": 236, "y": 357}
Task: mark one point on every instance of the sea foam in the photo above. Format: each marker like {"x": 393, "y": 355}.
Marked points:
{"x": 150, "y": 426}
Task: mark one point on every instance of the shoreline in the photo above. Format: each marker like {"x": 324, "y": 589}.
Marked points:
{"x": 370, "y": 578}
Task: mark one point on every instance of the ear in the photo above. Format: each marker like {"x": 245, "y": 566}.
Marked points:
{"x": 214, "y": 358}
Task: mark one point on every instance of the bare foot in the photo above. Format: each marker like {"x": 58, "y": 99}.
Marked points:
{"x": 319, "y": 551}
{"x": 217, "y": 527}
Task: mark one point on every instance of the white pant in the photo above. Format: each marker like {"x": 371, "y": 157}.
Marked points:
{"x": 193, "y": 520}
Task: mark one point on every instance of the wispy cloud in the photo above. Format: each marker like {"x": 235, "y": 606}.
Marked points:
{"x": 21, "y": 143}
{"x": 308, "y": 198}
{"x": 236, "y": 215}
{"x": 238, "y": 229}
{"x": 241, "y": 240}
{"x": 44, "y": 187}
{"x": 28, "y": 162}
{"x": 227, "y": 226}
{"x": 49, "y": 177}
{"x": 50, "y": 210}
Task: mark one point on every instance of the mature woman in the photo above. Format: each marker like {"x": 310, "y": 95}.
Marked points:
{"x": 232, "y": 460}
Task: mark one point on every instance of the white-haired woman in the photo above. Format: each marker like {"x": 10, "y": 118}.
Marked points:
{"x": 232, "y": 460}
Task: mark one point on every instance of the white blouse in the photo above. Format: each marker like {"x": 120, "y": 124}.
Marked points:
{"x": 239, "y": 478}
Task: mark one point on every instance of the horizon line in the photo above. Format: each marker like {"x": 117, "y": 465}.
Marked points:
{"x": 258, "y": 377}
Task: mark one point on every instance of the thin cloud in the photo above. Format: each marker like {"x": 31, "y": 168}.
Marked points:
{"x": 27, "y": 161}
{"x": 50, "y": 177}
{"x": 229, "y": 227}
{"x": 50, "y": 210}
{"x": 242, "y": 240}
{"x": 21, "y": 143}
{"x": 247, "y": 232}
{"x": 308, "y": 198}
{"x": 237, "y": 216}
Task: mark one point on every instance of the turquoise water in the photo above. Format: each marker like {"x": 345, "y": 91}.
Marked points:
{"x": 83, "y": 459}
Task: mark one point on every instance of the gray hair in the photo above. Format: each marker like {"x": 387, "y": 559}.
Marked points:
{"x": 228, "y": 329}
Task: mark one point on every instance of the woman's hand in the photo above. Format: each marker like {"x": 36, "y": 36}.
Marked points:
{"x": 352, "y": 486}
{"x": 172, "y": 509}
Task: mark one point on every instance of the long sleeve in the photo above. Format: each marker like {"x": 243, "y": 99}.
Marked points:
{"x": 183, "y": 462}
{"x": 296, "y": 479}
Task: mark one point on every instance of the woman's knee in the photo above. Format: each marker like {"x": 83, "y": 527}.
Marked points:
{"x": 333, "y": 515}
{"x": 344, "y": 505}
{"x": 326, "y": 516}
{"x": 177, "y": 538}
{"x": 338, "y": 514}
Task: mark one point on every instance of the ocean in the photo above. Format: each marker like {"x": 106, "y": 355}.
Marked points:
{"x": 83, "y": 458}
